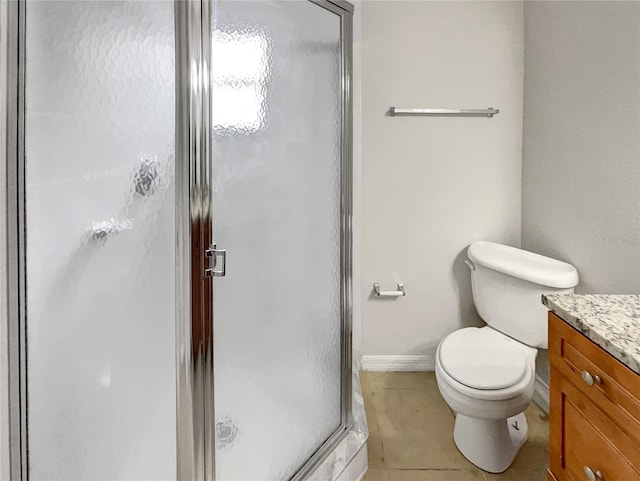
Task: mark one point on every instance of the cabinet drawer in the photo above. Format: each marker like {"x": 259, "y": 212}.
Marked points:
{"x": 612, "y": 386}
{"x": 583, "y": 436}
{"x": 586, "y": 447}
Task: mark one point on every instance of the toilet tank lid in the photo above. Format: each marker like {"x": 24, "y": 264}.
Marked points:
{"x": 523, "y": 264}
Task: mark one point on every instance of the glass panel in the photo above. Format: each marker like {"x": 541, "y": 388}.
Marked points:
{"x": 100, "y": 240}
{"x": 276, "y": 166}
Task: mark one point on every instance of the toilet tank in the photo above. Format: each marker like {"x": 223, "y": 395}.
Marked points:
{"x": 508, "y": 284}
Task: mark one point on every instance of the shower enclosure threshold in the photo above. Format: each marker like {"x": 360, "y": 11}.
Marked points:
{"x": 348, "y": 460}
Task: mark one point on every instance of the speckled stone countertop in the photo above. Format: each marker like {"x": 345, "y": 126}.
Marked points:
{"x": 611, "y": 321}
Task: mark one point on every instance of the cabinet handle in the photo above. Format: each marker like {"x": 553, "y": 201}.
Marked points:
{"x": 591, "y": 476}
{"x": 589, "y": 379}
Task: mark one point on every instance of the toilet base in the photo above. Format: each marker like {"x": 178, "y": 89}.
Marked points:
{"x": 490, "y": 444}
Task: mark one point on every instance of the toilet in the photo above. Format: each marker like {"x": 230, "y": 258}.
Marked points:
{"x": 487, "y": 375}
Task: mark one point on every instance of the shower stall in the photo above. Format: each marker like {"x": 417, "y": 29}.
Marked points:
{"x": 179, "y": 240}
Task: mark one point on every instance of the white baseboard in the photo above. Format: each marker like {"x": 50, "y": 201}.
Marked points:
{"x": 398, "y": 363}
{"x": 541, "y": 394}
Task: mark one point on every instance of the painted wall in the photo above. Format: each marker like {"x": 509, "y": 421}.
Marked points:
{"x": 581, "y": 152}
{"x": 581, "y": 158}
{"x": 433, "y": 185}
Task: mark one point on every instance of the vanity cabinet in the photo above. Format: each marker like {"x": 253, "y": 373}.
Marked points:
{"x": 594, "y": 413}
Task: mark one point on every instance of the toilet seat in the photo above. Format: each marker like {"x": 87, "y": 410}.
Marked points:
{"x": 490, "y": 426}
{"x": 483, "y": 359}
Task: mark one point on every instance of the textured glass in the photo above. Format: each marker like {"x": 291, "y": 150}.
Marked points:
{"x": 100, "y": 240}
{"x": 276, "y": 166}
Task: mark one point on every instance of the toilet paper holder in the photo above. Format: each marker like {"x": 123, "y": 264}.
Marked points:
{"x": 398, "y": 293}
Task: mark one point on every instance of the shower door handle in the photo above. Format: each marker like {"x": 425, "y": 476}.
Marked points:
{"x": 215, "y": 254}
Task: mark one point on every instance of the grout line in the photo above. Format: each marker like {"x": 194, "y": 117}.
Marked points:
{"x": 375, "y": 406}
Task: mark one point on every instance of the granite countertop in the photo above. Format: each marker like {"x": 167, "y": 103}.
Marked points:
{"x": 611, "y": 321}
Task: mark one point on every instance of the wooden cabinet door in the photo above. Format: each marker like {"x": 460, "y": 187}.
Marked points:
{"x": 583, "y": 438}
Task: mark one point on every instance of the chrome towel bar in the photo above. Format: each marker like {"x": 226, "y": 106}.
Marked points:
{"x": 490, "y": 112}
{"x": 399, "y": 293}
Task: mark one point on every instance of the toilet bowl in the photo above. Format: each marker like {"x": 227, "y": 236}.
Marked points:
{"x": 487, "y": 375}
{"x": 484, "y": 396}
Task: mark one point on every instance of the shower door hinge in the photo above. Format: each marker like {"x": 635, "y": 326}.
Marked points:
{"x": 214, "y": 253}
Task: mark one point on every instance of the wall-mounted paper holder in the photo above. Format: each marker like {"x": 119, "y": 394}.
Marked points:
{"x": 399, "y": 293}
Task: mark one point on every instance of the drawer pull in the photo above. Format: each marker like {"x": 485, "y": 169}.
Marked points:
{"x": 590, "y": 379}
{"x": 591, "y": 476}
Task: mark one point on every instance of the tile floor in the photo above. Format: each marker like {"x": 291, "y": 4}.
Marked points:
{"x": 411, "y": 434}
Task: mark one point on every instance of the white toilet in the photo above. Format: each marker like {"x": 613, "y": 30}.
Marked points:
{"x": 487, "y": 374}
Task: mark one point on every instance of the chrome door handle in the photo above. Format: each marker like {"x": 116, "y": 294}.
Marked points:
{"x": 589, "y": 379}
{"x": 215, "y": 253}
{"x": 591, "y": 476}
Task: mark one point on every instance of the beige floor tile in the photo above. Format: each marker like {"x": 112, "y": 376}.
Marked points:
{"x": 372, "y": 380}
{"x": 376, "y": 381}
{"x": 515, "y": 474}
{"x": 376, "y": 475}
{"x": 535, "y": 453}
{"x": 411, "y": 434}
{"x": 416, "y": 429}
{"x": 370, "y": 410}
{"x": 366, "y": 381}
{"x": 436, "y": 475}
{"x": 375, "y": 451}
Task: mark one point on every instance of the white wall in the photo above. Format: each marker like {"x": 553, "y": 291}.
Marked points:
{"x": 433, "y": 185}
{"x": 581, "y": 159}
{"x": 581, "y": 152}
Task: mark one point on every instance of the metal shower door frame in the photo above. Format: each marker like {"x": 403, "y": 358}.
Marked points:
{"x": 194, "y": 430}
{"x": 13, "y": 109}
{"x": 194, "y": 291}
{"x": 196, "y": 445}
{"x": 344, "y": 10}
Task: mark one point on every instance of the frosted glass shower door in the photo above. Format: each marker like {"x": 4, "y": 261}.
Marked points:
{"x": 100, "y": 203}
{"x": 277, "y": 149}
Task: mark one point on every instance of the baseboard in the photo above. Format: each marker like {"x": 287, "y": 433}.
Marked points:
{"x": 541, "y": 394}
{"x": 398, "y": 363}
